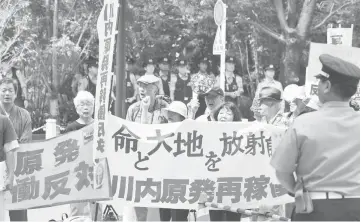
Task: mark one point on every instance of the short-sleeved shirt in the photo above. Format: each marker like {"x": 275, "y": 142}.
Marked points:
{"x": 157, "y": 116}
{"x": 323, "y": 148}
{"x": 8, "y": 137}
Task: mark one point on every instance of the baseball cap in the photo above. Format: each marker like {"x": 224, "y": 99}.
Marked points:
{"x": 178, "y": 107}
{"x": 270, "y": 93}
{"x": 216, "y": 91}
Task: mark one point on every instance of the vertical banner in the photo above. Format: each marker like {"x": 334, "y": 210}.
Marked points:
{"x": 350, "y": 54}
{"x": 106, "y": 27}
{"x": 340, "y": 36}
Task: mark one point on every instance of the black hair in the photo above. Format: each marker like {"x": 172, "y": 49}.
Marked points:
{"x": 237, "y": 117}
{"x": 8, "y": 80}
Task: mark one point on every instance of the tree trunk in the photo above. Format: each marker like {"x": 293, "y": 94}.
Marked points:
{"x": 292, "y": 62}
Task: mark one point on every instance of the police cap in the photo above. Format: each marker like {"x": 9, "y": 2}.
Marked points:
{"x": 230, "y": 59}
{"x": 336, "y": 68}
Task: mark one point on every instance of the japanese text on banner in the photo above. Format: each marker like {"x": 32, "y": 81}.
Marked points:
{"x": 106, "y": 31}
{"x": 170, "y": 165}
{"x": 58, "y": 171}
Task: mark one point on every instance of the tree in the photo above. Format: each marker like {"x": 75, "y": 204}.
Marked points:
{"x": 296, "y": 26}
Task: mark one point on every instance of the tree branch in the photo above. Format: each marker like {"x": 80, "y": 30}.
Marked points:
{"x": 264, "y": 29}
{"x": 281, "y": 17}
{"x": 331, "y": 13}
{"x": 292, "y": 13}
{"x": 305, "y": 19}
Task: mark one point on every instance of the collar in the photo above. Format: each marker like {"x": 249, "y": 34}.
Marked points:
{"x": 229, "y": 74}
{"x": 335, "y": 104}
{"x": 276, "y": 116}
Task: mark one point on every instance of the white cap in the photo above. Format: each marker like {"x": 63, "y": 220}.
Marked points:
{"x": 178, "y": 107}
{"x": 292, "y": 92}
{"x": 314, "y": 103}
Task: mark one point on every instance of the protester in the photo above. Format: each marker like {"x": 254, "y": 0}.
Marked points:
{"x": 268, "y": 81}
{"x": 176, "y": 112}
{"x": 295, "y": 96}
{"x": 149, "y": 110}
{"x": 8, "y": 143}
{"x": 313, "y": 104}
{"x": 180, "y": 89}
{"x": 84, "y": 104}
{"x": 214, "y": 99}
{"x": 233, "y": 82}
{"x": 164, "y": 75}
{"x": 323, "y": 150}
{"x": 21, "y": 121}
{"x": 228, "y": 112}
{"x": 270, "y": 107}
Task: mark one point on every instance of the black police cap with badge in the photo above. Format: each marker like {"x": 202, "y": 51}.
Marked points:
{"x": 148, "y": 62}
{"x": 230, "y": 59}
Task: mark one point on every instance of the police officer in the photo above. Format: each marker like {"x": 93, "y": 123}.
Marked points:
{"x": 164, "y": 75}
{"x": 149, "y": 67}
{"x": 180, "y": 83}
{"x": 203, "y": 69}
{"x": 234, "y": 85}
{"x": 323, "y": 149}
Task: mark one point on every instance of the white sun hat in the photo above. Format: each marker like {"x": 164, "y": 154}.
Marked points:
{"x": 292, "y": 92}
{"x": 178, "y": 107}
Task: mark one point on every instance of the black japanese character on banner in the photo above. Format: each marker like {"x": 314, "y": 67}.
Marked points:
{"x": 26, "y": 189}
{"x": 28, "y": 162}
{"x": 58, "y": 183}
{"x": 253, "y": 142}
{"x": 269, "y": 146}
{"x": 160, "y": 138}
{"x": 229, "y": 142}
{"x": 105, "y": 62}
{"x": 200, "y": 186}
{"x": 82, "y": 171}
{"x": 140, "y": 160}
{"x": 102, "y": 95}
{"x": 108, "y": 29}
{"x": 101, "y": 112}
{"x": 101, "y": 144}
{"x": 103, "y": 79}
{"x": 174, "y": 190}
{"x": 229, "y": 187}
{"x": 314, "y": 89}
{"x": 107, "y": 45}
{"x": 211, "y": 162}
{"x": 108, "y": 11}
{"x": 277, "y": 190}
{"x": 66, "y": 151}
{"x": 147, "y": 189}
{"x": 101, "y": 129}
{"x": 193, "y": 144}
{"x": 255, "y": 188}
{"x": 124, "y": 138}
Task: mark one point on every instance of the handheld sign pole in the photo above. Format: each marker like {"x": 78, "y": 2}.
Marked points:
{"x": 219, "y": 46}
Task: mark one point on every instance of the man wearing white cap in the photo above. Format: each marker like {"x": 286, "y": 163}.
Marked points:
{"x": 149, "y": 110}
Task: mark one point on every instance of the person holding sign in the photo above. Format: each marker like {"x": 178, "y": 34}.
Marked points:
{"x": 84, "y": 104}
{"x": 180, "y": 89}
{"x": 8, "y": 143}
{"x": 323, "y": 149}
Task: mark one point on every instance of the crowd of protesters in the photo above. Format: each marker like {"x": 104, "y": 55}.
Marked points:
{"x": 166, "y": 97}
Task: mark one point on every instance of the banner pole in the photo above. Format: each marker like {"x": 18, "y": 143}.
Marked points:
{"x": 120, "y": 63}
